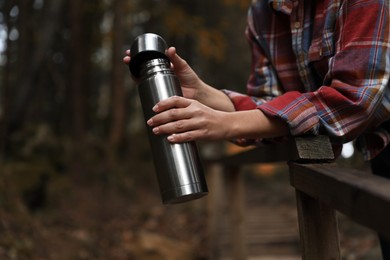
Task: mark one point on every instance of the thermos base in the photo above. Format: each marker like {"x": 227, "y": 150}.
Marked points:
{"x": 184, "y": 193}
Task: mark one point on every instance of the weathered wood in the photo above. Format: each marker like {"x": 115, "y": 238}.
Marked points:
{"x": 271, "y": 153}
{"x": 237, "y": 205}
{"x": 321, "y": 188}
{"x": 302, "y": 149}
{"x": 313, "y": 148}
{"x": 318, "y": 229}
{"x": 363, "y": 197}
{"x": 216, "y": 209}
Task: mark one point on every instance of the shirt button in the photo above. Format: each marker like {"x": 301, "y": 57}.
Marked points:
{"x": 297, "y": 25}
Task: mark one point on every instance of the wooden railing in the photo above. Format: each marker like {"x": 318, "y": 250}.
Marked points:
{"x": 322, "y": 188}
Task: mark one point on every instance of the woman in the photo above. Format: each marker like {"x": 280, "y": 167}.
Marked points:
{"x": 318, "y": 67}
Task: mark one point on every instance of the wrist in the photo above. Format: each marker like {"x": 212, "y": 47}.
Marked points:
{"x": 254, "y": 124}
{"x": 214, "y": 98}
{"x": 202, "y": 91}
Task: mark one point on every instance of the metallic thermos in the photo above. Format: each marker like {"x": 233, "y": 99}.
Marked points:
{"x": 179, "y": 171}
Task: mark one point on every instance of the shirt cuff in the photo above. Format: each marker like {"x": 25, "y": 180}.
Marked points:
{"x": 296, "y": 110}
{"x": 241, "y": 101}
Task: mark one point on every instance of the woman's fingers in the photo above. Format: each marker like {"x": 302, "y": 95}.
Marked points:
{"x": 179, "y": 65}
{"x": 185, "y": 137}
{"x": 170, "y": 110}
{"x": 180, "y": 126}
{"x": 186, "y": 120}
{"x": 127, "y": 58}
{"x": 172, "y": 102}
{"x": 174, "y": 115}
{"x": 175, "y": 59}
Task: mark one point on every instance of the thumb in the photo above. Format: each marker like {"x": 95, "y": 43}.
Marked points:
{"x": 178, "y": 63}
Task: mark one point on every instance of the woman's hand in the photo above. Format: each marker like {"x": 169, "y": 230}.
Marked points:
{"x": 205, "y": 113}
{"x": 192, "y": 86}
{"x": 190, "y": 83}
{"x": 186, "y": 120}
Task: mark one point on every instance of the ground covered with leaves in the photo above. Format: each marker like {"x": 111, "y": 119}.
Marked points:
{"x": 90, "y": 212}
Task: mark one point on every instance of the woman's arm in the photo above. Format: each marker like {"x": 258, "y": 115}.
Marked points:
{"x": 192, "y": 86}
{"x": 187, "y": 120}
{"x": 205, "y": 113}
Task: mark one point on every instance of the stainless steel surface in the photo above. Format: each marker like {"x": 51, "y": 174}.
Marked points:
{"x": 178, "y": 166}
{"x": 148, "y": 42}
{"x": 151, "y": 67}
{"x": 146, "y": 47}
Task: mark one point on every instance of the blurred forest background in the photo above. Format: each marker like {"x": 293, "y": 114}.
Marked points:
{"x": 76, "y": 177}
{"x": 77, "y": 181}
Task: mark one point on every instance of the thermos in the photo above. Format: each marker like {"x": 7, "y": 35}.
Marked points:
{"x": 178, "y": 166}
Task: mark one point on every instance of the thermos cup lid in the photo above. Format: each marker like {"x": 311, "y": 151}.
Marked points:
{"x": 146, "y": 47}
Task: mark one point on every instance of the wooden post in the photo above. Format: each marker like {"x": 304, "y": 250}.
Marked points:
{"x": 216, "y": 209}
{"x": 236, "y": 185}
{"x": 305, "y": 149}
{"x": 317, "y": 222}
{"x": 318, "y": 229}
{"x": 363, "y": 197}
{"x": 321, "y": 189}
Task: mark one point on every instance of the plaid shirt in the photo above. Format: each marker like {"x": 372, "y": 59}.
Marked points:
{"x": 323, "y": 67}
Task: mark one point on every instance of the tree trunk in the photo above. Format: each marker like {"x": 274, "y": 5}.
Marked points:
{"x": 32, "y": 64}
{"x": 78, "y": 71}
{"x": 118, "y": 99}
{"x": 5, "y": 89}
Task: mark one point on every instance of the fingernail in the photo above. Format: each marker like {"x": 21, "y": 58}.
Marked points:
{"x": 171, "y": 138}
{"x": 155, "y": 108}
{"x": 156, "y": 130}
{"x": 150, "y": 122}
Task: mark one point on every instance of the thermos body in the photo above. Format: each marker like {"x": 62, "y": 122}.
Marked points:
{"x": 170, "y": 158}
{"x": 178, "y": 165}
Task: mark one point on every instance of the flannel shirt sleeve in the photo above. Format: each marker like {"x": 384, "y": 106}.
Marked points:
{"x": 356, "y": 87}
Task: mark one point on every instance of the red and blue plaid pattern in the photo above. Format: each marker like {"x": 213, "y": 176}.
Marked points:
{"x": 323, "y": 67}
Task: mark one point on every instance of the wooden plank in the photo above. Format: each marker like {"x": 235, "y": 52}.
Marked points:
{"x": 318, "y": 229}
{"x": 363, "y": 197}
{"x": 302, "y": 149}
{"x": 271, "y": 153}
{"x": 313, "y": 148}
